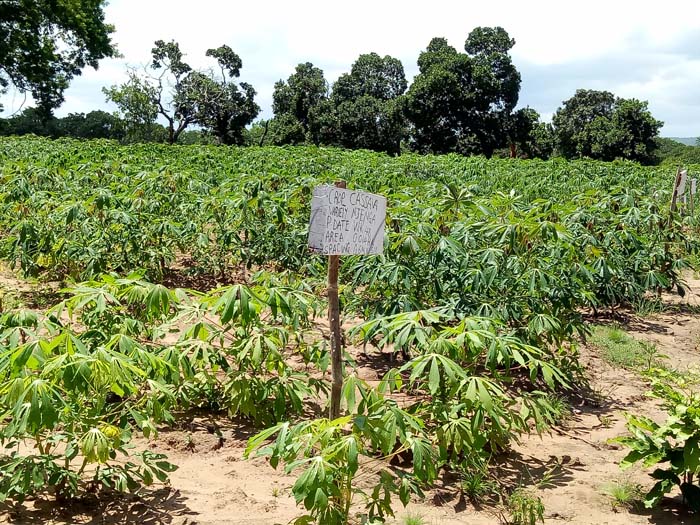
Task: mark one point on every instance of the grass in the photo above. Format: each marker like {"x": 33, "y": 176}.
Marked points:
{"x": 605, "y": 421}
{"x": 623, "y": 494}
{"x": 648, "y": 306}
{"x": 620, "y": 349}
{"x": 413, "y": 519}
{"x": 477, "y": 485}
{"x": 561, "y": 409}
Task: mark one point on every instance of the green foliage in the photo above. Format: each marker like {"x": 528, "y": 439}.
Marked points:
{"x": 459, "y": 101}
{"x": 77, "y": 397}
{"x": 93, "y": 125}
{"x": 529, "y": 137}
{"x": 486, "y": 268}
{"x": 171, "y": 89}
{"x": 458, "y": 409}
{"x": 367, "y": 106}
{"x": 673, "y": 153}
{"x": 623, "y": 494}
{"x": 332, "y": 453}
{"x": 138, "y": 108}
{"x": 413, "y": 519}
{"x": 671, "y": 447}
{"x": 582, "y": 234}
{"x": 221, "y": 106}
{"x": 80, "y": 382}
{"x": 598, "y": 125}
{"x": 476, "y": 482}
{"x": 295, "y": 104}
{"x": 524, "y": 508}
{"x": 46, "y": 43}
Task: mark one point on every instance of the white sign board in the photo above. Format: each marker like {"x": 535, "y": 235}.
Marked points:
{"x": 693, "y": 186}
{"x": 681, "y": 183}
{"x": 346, "y": 222}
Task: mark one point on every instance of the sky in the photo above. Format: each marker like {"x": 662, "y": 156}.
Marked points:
{"x": 643, "y": 49}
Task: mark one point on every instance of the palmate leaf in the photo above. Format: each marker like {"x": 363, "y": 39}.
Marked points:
{"x": 95, "y": 446}
{"x": 238, "y": 303}
{"x": 33, "y": 403}
{"x": 442, "y": 373}
{"x": 158, "y": 300}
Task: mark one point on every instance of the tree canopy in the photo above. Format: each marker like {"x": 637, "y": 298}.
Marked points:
{"x": 171, "y": 89}
{"x": 459, "y": 102}
{"x": 92, "y": 125}
{"x": 295, "y": 102}
{"x": 598, "y": 125}
{"x": 45, "y": 43}
{"x": 367, "y": 105}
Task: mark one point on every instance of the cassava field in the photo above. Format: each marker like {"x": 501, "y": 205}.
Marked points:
{"x": 524, "y": 350}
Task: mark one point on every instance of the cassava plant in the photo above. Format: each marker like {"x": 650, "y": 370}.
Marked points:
{"x": 673, "y": 447}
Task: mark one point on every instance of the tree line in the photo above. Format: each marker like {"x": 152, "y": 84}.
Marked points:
{"x": 461, "y": 101}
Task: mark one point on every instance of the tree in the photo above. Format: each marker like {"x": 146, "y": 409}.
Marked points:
{"x": 373, "y": 76}
{"x": 367, "y": 106}
{"x": 31, "y": 121}
{"x": 598, "y": 125}
{"x": 219, "y": 105}
{"x": 145, "y": 96}
{"x": 295, "y": 102}
{"x": 575, "y": 121}
{"x": 93, "y": 125}
{"x": 184, "y": 97}
{"x": 258, "y": 133}
{"x": 542, "y": 143}
{"x": 527, "y": 136}
{"x": 462, "y": 101}
{"x": 638, "y": 130}
{"x": 45, "y": 43}
{"x": 137, "y": 108}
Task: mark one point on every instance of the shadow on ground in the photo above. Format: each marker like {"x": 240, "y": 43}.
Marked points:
{"x": 163, "y": 506}
{"x": 671, "y": 511}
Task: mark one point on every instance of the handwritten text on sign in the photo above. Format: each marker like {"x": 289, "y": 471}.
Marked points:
{"x": 346, "y": 222}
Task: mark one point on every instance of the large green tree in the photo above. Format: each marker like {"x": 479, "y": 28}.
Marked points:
{"x": 137, "y": 108}
{"x": 598, "y": 125}
{"x": 461, "y": 102}
{"x": 45, "y": 43}
{"x": 367, "y": 106}
{"x": 295, "y": 103}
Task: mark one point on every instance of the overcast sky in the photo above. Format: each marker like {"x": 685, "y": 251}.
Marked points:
{"x": 645, "y": 50}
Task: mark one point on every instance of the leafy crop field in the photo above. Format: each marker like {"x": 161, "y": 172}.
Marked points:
{"x": 187, "y": 286}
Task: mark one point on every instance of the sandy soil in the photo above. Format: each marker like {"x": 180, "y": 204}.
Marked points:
{"x": 215, "y": 486}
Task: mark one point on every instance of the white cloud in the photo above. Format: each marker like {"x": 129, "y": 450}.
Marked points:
{"x": 558, "y": 44}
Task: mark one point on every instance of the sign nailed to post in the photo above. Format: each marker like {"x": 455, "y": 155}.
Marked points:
{"x": 346, "y": 222}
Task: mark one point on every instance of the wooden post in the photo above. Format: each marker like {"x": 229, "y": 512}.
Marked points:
{"x": 693, "y": 190}
{"x": 334, "y": 324}
{"x": 674, "y": 198}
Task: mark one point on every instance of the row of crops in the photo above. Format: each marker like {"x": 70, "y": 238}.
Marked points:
{"x": 488, "y": 266}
